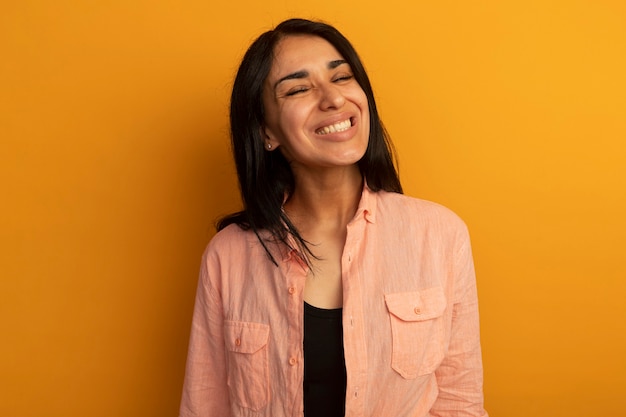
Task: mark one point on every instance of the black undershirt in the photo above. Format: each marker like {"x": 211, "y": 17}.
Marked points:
{"x": 324, "y": 363}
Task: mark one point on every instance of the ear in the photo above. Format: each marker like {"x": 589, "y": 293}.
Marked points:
{"x": 269, "y": 141}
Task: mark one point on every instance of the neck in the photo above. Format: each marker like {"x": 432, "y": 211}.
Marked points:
{"x": 328, "y": 200}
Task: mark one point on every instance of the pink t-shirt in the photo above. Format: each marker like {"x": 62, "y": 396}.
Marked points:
{"x": 410, "y": 319}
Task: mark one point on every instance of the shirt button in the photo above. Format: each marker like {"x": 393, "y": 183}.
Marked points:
{"x": 291, "y": 290}
{"x": 292, "y": 361}
{"x": 417, "y": 310}
{"x": 237, "y": 342}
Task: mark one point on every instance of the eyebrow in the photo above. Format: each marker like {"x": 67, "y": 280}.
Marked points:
{"x": 303, "y": 74}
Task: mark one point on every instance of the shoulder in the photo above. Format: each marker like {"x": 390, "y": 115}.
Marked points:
{"x": 236, "y": 247}
{"x": 232, "y": 256}
{"x": 230, "y": 240}
{"x": 409, "y": 210}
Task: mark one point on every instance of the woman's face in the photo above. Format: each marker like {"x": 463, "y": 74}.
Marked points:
{"x": 315, "y": 111}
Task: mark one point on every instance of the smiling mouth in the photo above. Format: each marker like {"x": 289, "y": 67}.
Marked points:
{"x": 336, "y": 127}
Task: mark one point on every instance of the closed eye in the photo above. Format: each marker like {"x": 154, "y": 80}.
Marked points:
{"x": 297, "y": 90}
{"x": 343, "y": 78}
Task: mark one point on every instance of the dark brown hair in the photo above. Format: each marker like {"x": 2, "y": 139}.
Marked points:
{"x": 265, "y": 178}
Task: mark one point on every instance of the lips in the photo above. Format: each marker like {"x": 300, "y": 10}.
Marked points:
{"x": 335, "y": 127}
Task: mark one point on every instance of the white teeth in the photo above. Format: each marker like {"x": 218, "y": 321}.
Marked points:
{"x": 337, "y": 127}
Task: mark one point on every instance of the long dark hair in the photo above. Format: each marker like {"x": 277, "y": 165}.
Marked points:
{"x": 265, "y": 178}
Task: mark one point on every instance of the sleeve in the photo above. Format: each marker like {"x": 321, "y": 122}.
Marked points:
{"x": 460, "y": 375}
{"x": 205, "y": 392}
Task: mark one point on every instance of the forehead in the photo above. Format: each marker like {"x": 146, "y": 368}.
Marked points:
{"x": 298, "y": 52}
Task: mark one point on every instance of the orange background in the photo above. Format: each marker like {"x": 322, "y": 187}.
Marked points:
{"x": 114, "y": 163}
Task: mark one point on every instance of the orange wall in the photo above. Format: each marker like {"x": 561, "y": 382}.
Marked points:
{"x": 114, "y": 163}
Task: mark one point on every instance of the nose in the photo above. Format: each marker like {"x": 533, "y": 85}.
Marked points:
{"x": 331, "y": 97}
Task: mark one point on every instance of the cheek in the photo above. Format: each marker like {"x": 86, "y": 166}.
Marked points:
{"x": 280, "y": 120}
{"x": 293, "y": 117}
{"x": 366, "y": 112}
{"x": 271, "y": 120}
{"x": 361, "y": 100}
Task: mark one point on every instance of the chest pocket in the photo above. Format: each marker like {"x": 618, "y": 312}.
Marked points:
{"x": 417, "y": 330}
{"x": 248, "y": 367}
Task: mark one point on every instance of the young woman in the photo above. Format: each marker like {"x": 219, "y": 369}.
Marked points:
{"x": 331, "y": 293}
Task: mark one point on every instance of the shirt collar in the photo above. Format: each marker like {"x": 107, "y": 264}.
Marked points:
{"x": 367, "y": 205}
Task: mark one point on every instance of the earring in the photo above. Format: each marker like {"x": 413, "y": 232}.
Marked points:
{"x": 269, "y": 146}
